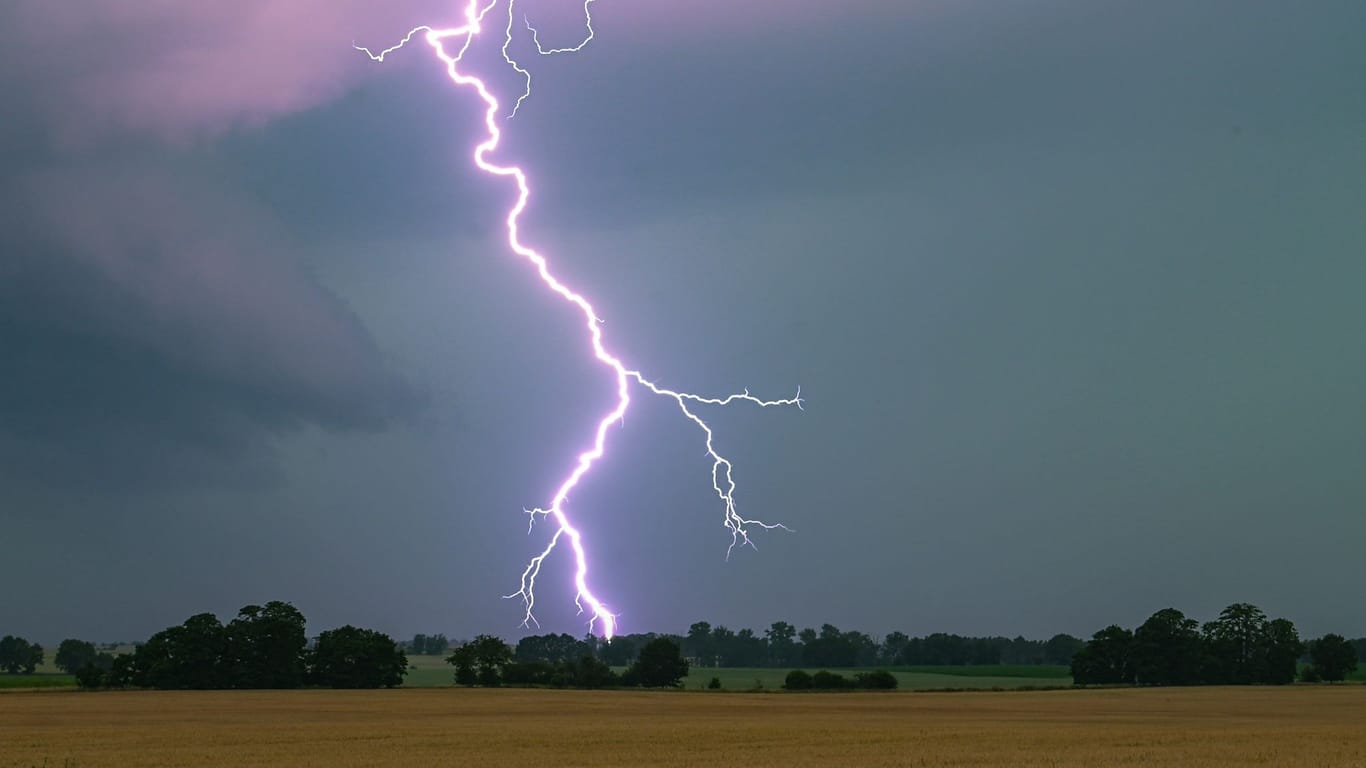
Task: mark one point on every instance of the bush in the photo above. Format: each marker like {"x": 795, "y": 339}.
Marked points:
{"x": 715, "y": 684}
{"x": 1310, "y": 674}
{"x": 828, "y": 681}
{"x": 797, "y": 680}
{"x": 878, "y": 680}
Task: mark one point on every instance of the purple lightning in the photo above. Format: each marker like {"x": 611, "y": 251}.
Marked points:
{"x": 722, "y": 480}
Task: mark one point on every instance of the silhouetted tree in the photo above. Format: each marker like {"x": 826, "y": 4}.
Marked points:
{"x": 1167, "y": 649}
{"x": 1236, "y": 645}
{"x": 659, "y": 665}
{"x": 481, "y": 661}
{"x": 1107, "y": 659}
{"x": 552, "y": 649}
{"x": 351, "y": 657}
{"x": 1060, "y": 648}
{"x": 1283, "y": 652}
{"x": 1332, "y": 658}
{"x": 187, "y": 656}
{"x": 782, "y": 644}
{"x": 265, "y": 647}
{"x": 74, "y": 654}
{"x": 19, "y": 655}
{"x": 96, "y": 672}
{"x": 698, "y": 644}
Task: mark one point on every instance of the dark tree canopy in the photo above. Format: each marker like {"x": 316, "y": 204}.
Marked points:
{"x": 265, "y": 647}
{"x": 349, "y": 657}
{"x": 1167, "y": 649}
{"x": 481, "y": 661}
{"x": 1106, "y": 660}
{"x": 73, "y": 655}
{"x": 659, "y": 665}
{"x": 19, "y": 655}
{"x": 1332, "y": 658}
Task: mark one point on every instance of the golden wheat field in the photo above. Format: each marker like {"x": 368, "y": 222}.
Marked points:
{"x": 1293, "y": 726}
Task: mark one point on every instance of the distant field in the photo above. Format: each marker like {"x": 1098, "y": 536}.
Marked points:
{"x": 431, "y": 671}
{"x": 1042, "y": 671}
{"x": 1196, "y": 727}
{"x": 38, "y": 680}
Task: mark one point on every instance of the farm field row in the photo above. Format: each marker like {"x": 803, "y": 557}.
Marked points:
{"x": 1196, "y": 727}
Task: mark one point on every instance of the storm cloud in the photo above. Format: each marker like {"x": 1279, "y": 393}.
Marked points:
{"x": 1072, "y": 290}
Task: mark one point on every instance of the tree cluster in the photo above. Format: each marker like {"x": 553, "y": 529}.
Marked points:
{"x": 263, "y": 647}
{"x": 561, "y": 661}
{"x": 824, "y": 680}
{"x": 428, "y": 645}
{"x": 1241, "y": 647}
{"x": 18, "y": 655}
{"x": 783, "y": 645}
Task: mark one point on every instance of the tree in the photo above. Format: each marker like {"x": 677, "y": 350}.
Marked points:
{"x": 1332, "y": 658}
{"x": 1283, "y": 652}
{"x": 35, "y": 658}
{"x": 1237, "y": 645}
{"x": 587, "y": 672}
{"x": 621, "y": 650}
{"x": 350, "y": 657}
{"x": 462, "y": 658}
{"x": 1167, "y": 650}
{"x": 1107, "y": 659}
{"x": 265, "y": 647}
{"x": 96, "y": 672}
{"x": 893, "y": 645}
{"x": 782, "y": 644}
{"x": 17, "y": 655}
{"x": 187, "y": 656}
{"x": 699, "y": 644}
{"x": 481, "y": 661}
{"x": 73, "y": 655}
{"x": 551, "y": 649}
{"x": 660, "y": 665}
{"x": 749, "y": 650}
{"x": 428, "y": 645}
{"x": 1059, "y": 649}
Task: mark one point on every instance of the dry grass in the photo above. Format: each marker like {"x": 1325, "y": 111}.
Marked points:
{"x": 1293, "y": 726}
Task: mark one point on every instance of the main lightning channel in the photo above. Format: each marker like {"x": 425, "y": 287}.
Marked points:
{"x": 722, "y": 470}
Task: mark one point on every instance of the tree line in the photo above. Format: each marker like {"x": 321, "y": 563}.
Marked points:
{"x": 560, "y": 661}
{"x": 1240, "y": 647}
{"x": 263, "y": 647}
{"x": 783, "y": 645}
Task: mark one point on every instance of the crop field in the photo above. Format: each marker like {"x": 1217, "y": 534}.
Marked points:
{"x": 1199, "y": 727}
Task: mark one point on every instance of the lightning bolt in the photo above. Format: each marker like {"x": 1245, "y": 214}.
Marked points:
{"x": 442, "y": 41}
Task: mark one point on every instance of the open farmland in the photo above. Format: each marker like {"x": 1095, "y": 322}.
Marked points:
{"x": 428, "y": 671}
{"x": 1201, "y": 727}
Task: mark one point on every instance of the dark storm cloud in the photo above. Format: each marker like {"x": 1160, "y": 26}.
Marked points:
{"x": 1072, "y": 289}
{"x": 159, "y": 326}
{"x": 145, "y": 316}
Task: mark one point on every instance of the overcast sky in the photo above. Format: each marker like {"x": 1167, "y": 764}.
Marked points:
{"x": 1073, "y": 290}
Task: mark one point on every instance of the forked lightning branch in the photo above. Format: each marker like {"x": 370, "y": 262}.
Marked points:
{"x": 450, "y": 44}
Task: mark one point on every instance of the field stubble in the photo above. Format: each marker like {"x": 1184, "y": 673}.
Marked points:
{"x": 1201, "y": 727}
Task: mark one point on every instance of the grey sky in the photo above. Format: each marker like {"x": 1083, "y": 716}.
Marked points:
{"x": 1073, "y": 291}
